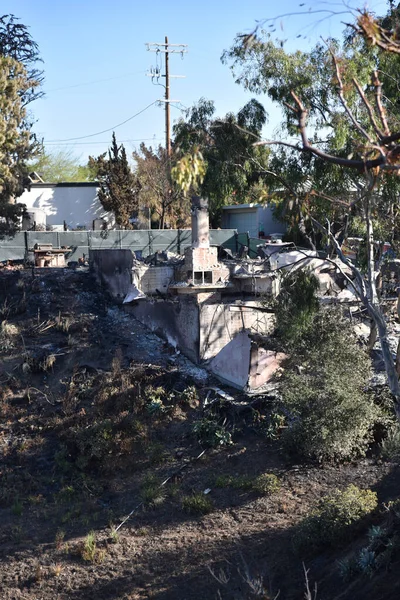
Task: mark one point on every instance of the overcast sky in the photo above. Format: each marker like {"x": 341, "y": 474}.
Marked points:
{"x": 95, "y": 61}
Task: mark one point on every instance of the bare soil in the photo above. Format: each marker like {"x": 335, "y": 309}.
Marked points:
{"x": 82, "y": 433}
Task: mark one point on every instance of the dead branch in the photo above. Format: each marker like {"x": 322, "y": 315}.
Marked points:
{"x": 368, "y": 27}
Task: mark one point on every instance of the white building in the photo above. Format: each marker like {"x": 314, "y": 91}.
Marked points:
{"x": 75, "y": 205}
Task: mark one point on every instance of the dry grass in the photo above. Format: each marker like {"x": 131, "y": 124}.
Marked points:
{"x": 8, "y": 330}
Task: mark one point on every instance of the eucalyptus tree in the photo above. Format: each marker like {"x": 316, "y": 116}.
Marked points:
{"x": 233, "y": 164}
{"x": 342, "y": 127}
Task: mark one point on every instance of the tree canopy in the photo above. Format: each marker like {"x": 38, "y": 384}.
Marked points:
{"x": 16, "y": 142}
{"x": 233, "y": 163}
{"x": 119, "y": 187}
{"x": 158, "y": 192}
{"x": 333, "y": 84}
{"x": 17, "y": 43}
{"x": 60, "y": 165}
{"x": 19, "y": 84}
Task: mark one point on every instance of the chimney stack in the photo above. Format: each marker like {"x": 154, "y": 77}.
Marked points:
{"x": 200, "y": 223}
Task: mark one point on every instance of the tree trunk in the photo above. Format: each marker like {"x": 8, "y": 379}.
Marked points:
{"x": 376, "y": 313}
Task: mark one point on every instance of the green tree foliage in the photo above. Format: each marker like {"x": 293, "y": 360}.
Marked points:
{"x": 19, "y": 85}
{"x": 60, "y": 165}
{"x": 158, "y": 192}
{"x": 234, "y": 164}
{"x": 296, "y": 306}
{"x": 119, "y": 187}
{"x": 17, "y": 43}
{"x": 16, "y": 141}
{"x": 316, "y": 187}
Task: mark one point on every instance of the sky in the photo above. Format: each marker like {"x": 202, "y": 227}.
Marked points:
{"x": 95, "y": 61}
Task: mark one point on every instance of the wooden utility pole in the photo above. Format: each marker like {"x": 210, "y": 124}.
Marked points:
{"x": 167, "y": 108}
{"x": 155, "y": 74}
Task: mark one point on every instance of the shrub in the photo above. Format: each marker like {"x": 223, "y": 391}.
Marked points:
{"x": 267, "y": 484}
{"x": 211, "y": 434}
{"x": 329, "y": 414}
{"x": 89, "y": 550}
{"x": 151, "y": 492}
{"x": 238, "y": 482}
{"x": 197, "y": 503}
{"x": 390, "y": 446}
{"x": 334, "y": 518}
{"x": 296, "y": 305}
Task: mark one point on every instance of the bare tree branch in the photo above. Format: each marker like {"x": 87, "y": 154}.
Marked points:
{"x": 378, "y": 99}
{"x": 369, "y": 108}
{"x": 343, "y": 99}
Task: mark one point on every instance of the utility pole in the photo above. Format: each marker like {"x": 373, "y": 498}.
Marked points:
{"x": 167, "y": 107}
{"x": 155, "y": 74}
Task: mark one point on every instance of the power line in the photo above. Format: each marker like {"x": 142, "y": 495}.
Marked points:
{"x": 82, "y": 137}
{"x": 75, "y": 85}
{"x": 103, "y": 142}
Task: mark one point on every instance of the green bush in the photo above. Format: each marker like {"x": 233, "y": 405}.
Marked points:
{"x": 329, "y": 415}
{"x": 390, "y": 446}
{"x": 296, "y": 305}
{"x": 334, "y": 519}
{"x": 210, "y": 433}
{"x": 267, "y": 484}
{"x": 197, "y": 504}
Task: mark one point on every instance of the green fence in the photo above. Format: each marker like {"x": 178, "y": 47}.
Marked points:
{"x": 146, "y": 241}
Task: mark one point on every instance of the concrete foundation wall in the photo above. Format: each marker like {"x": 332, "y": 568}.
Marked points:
{"x": 220, "y": 323}
{"x": 263, "y": 364}
{"x": 231, "y": 364}
{"x": 149, "y": 279}
{"x": 113, "y": 269}
{"x": 175, "y": 320}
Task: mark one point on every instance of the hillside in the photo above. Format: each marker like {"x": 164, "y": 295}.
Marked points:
{"x": 100, "y": 419}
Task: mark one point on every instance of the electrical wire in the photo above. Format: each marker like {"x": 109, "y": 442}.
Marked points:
{"x": 68, "y": 87}
{"x": 82, "y": 137}
{"x": 103, "y": 142}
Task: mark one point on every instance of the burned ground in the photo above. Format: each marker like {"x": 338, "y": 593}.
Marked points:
{"x": 96, "y": 413}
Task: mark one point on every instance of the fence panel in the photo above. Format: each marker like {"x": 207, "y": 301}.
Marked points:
{"x": 12, "y": 247}
{"x": 164, "y": 239}
{"x": 223, "y": 237}
{"x": 185, "y": 240}
{"x": 41, "y": 237}
{"x": 253, "y": 243}
{"x": 105, "y": 239}
{"x": 136, "y": 241}
{"x": 78, "y": 241}
{"x": 144, "y": 241}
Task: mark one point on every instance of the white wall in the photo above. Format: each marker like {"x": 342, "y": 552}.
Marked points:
{"x": 74, "y": 204}
{"x": 252, "y": 218}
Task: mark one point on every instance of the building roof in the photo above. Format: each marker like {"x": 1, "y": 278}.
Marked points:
{"x": 65, "y": 184}
{"x": 242, "y": 206}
